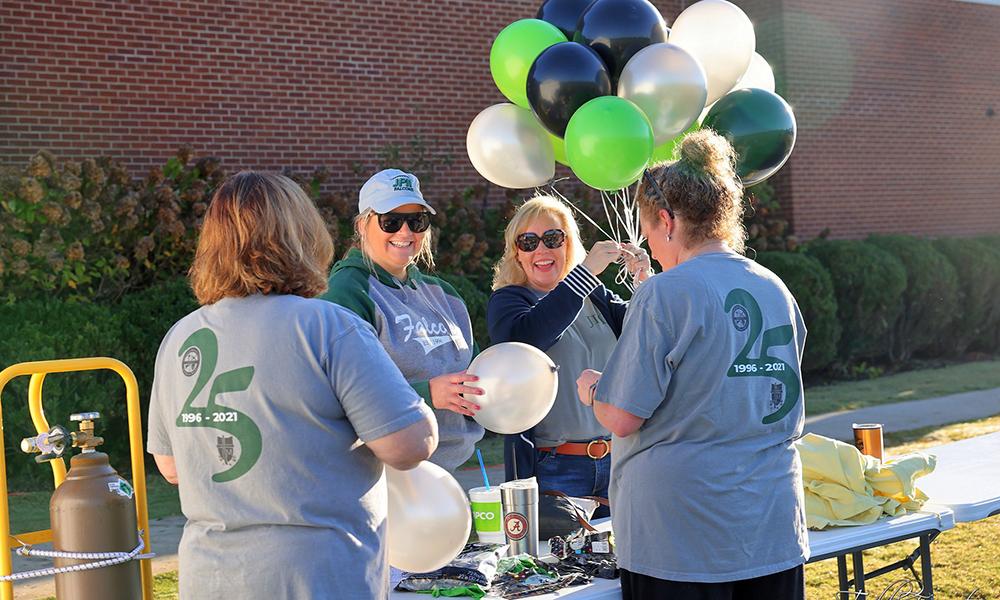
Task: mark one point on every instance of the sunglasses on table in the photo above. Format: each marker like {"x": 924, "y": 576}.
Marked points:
{"x": 391, "y": 222}
{"x": 528, "y": 241}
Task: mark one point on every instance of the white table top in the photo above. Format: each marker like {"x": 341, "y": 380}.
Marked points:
{"x": 836, "y": 540}
{"x": 966, "y": 479}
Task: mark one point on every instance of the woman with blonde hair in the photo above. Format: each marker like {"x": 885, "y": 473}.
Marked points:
{"x": 420, "y": 319}
{"x": 704, "y": 397}
{"x": 547, "y": 294}
{"x": 259, "y": 400}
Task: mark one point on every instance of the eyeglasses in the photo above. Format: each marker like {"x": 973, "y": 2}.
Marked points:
{"x": 528, "y": 241}
{"x": 391, "y": 222}
{"x": 656, "y": 188}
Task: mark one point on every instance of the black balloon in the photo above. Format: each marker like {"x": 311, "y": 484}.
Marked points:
{"x": 617, "y": 29}
{"x": 563, "y": 78}
{"x": 564, "y": 14}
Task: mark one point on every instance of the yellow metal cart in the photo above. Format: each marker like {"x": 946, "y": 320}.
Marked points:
{"x": 38, "y": 370}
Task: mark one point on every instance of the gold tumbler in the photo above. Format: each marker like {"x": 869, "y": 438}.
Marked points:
{"x": 868, "y": 439}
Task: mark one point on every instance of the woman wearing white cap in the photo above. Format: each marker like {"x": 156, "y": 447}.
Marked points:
{"x": 421, "y": 320}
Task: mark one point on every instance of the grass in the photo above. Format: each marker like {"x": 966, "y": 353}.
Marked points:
{"x": 911, "y": 385}
{"x": 164, "y": 587}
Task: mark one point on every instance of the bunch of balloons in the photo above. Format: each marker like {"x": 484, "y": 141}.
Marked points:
{"x": 604, "y": 87}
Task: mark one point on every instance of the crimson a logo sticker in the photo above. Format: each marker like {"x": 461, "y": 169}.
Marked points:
{"x": 515, "y": 526}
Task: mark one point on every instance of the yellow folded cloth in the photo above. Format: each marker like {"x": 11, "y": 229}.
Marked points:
{"x": 844, "y": 487}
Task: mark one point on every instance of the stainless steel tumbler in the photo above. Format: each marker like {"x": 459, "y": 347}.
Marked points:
{"x": 520, "y": 518}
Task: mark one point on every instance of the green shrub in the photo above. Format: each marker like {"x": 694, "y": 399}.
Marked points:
{"x": 978, "y": 285}
{"x": 47, "y": 330}
{"x": 475, "y": 300}
{"x": 810, "y": 284}
{"x": 868, "y": 283}
{"x": 990, "y": 340}
{"x": 930, "y": 299}
{"x": 129, "y": 331}
{"x": 87, "y": 230}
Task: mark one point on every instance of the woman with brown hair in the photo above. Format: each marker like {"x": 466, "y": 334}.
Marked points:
{"x": 259, "y": 401}
{"x": 704, "y": 398}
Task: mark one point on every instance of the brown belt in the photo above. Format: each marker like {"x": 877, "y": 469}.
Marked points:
{"x": 595, "y": 449}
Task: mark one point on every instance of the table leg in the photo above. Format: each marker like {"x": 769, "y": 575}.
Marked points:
{"x": 925, "y": 566}
{"x": 845, "y": 592}
{"x": 859, "y": 574}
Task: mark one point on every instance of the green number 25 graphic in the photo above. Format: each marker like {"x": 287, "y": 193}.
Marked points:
{"x": 765, "y": 365}
{"x": 215, "y": 415}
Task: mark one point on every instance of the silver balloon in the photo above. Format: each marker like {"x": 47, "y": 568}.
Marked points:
{"x": 508, "y": 146}
{"x": 520, "y": 382}
{"x": 429, "y": 521}
{"x": 759, "y": 75}
{"x": 720, "y": 36}
{"x": 669, "y": 85}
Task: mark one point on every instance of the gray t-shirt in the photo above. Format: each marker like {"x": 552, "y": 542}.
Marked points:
{"x": 709, "y": 488}
{"x": 586, "y": 344}
{"x": 263, "y": 402}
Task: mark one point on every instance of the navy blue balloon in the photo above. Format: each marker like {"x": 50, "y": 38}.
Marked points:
{"x": 563, "y": 78}
{"x": 564, "y": 14}
{"x": 617, "y": 29}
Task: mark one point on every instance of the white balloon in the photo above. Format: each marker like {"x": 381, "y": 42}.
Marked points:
{"x": 668, "y": 84}
{"x": 759, "y": 75}
{"x": 720, "y": 36}
{"x": 508, "y": 146}
{"x": 429, "y": 521}
{"x": 520, "y": 382}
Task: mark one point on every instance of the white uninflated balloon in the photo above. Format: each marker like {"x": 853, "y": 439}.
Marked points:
{"x": 520, "y": 382}
{"x": 509, "y": 147}
{"x": 759, "y": 75}
{"x": 429, "y": 521}
{"x": 720, "y": 36}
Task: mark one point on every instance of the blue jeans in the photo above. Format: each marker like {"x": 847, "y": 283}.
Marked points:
{"x": 574, "y": 476}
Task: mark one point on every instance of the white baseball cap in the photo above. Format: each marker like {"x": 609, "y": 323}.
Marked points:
{"x": 390, "y": 189}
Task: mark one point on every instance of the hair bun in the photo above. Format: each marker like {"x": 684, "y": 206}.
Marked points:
{"x": 707, "y": 152}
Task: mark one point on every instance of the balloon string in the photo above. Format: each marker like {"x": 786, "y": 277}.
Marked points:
{"x": 557, "y": 194}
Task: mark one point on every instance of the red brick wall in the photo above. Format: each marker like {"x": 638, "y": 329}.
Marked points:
{"x": 891, "y": 99}
{"x": 891, "y": 96}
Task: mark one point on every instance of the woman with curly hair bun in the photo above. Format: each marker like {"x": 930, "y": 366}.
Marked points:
{"x": 704, "y": 397}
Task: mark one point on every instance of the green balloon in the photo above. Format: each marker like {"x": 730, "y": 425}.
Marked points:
{"x": 665, "y": 151}
{"x": 558, "y": 148}
{"x": 760, "y": 126}
{"x": 513, "y": 52}
{"x": 608, "y": 143}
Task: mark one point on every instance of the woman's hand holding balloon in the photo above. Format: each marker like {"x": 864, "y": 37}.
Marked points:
{"x": 447, "y": 390}
{"x": 601, "y": 255}
{"x": 637, "y": 262}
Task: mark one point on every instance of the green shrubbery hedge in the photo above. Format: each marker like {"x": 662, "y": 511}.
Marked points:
{"x": 868, "y": 283}
{"x": 978, "y": 269}
{"x": 45, "y": 329}
{"x": 930, "y": 299}
{"x": 810, "y": 284}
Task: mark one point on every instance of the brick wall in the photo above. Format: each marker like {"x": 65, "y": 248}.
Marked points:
{"x": 891, "y": 96}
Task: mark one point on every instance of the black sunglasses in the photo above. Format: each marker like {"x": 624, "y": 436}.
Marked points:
{"x": 553, "y": 238}
{"x": 391, "y": 222}
{"x": 656, "y": 188}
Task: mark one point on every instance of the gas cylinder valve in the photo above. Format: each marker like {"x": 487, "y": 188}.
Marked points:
{"x": 85, "y": 438}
